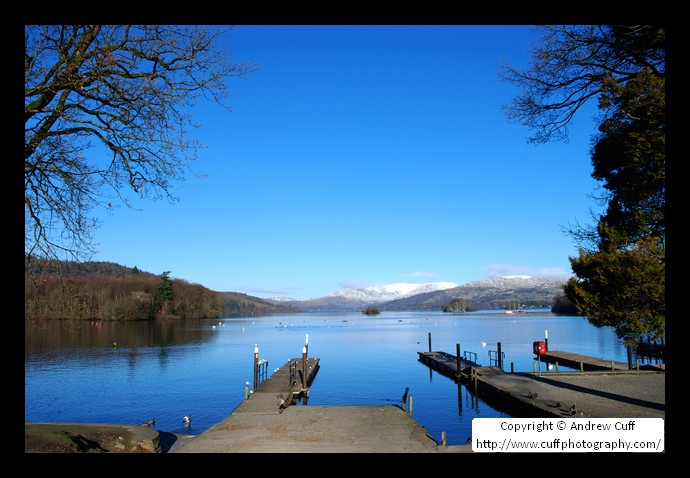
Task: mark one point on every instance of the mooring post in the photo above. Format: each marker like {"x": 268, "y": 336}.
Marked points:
{"x": 404, "y": 397}
{"x": 546, "y": 340}
{"x": 409, "y": 408}
{"x": 429, "y": 341}
{"x": 304, "y": 369}
{"x": 256, "y": 366}
{"x": 457, "y": 360}
{"x": 500, "y": 359}
{"x": 443, "y": 439}
{"x": 306, "y": 343}
{"x": 246, "y": 390}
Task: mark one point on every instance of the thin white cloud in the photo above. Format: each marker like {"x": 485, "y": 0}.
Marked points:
{"x": 501, "y": 270}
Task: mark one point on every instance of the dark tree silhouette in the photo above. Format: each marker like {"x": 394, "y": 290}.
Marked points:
{"x": 620, "y": 272}
{"x": 107, "y": 119}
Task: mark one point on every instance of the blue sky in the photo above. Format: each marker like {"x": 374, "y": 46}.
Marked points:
{"x": 361, "y": 155}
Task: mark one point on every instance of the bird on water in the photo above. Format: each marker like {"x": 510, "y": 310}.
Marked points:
{"x": 187, "y": 419}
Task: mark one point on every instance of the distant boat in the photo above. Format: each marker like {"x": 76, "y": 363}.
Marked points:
{"x": 514, "y": 310}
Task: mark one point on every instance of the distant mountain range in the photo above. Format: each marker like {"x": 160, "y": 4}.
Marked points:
{"x": 498, "y": 293}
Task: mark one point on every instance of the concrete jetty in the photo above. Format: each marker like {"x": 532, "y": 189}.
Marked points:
{"x": 276, "y": 418}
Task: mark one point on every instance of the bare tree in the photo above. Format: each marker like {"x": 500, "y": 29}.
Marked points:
{"x": 107, "y": 119}
{"x": 571, "y": 65}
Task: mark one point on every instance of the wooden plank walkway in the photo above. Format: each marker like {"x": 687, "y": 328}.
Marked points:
{"x": 288, "y": 379}
{"x": 447, "y": 364}
{"x": 581, "y": 362}
{"x": 601, "y": 392}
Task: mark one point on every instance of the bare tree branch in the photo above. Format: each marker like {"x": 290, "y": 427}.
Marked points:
{"x": 107, "y": 112}
{"x": 569, "y": 67}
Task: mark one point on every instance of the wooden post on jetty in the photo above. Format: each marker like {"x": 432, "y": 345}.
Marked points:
{"x": 404, "y": 397}
{"x": 429, "y": 341}
{"x": 546, "y": 340}
{"x": 500, "y": 359}
{"x": 457, "y": 360}
{"x": 304, "y": 370}
{"x": 256, "y": 366}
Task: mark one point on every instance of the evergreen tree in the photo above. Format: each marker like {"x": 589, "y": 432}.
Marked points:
{"x": 624, "y": 290}
{"x": 164, "y": 293}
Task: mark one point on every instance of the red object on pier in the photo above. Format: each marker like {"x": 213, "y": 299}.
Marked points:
{"x": 539, "y": 347}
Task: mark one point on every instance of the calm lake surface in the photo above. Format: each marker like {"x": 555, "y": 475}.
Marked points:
{"x": 127, "y": 373}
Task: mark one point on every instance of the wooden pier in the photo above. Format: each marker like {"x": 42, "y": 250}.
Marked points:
{"x": 600, "y": 389}
{"x": 446, "y": 364}
{"x": 292, "y": 380}
{"x": 449, "y": 365}
{"x": 581, "y": 362}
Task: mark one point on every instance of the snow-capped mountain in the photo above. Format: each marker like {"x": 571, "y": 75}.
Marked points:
{"x": 490, "y": 293}
{"x": 384, "y": 293}
{"x": 280, "y": 299}
{"x": 512, "y": 282}
{"x": 499, "y": 292}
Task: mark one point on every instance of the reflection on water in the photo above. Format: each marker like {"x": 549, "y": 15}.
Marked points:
{"x": 131, "y": 372}
{"x": 47, "y": 336}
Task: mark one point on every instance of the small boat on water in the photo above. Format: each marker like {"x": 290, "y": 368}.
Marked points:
{"x": 514, "y": 310}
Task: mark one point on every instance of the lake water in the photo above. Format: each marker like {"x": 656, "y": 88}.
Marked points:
{"x": 127, "y": 373}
